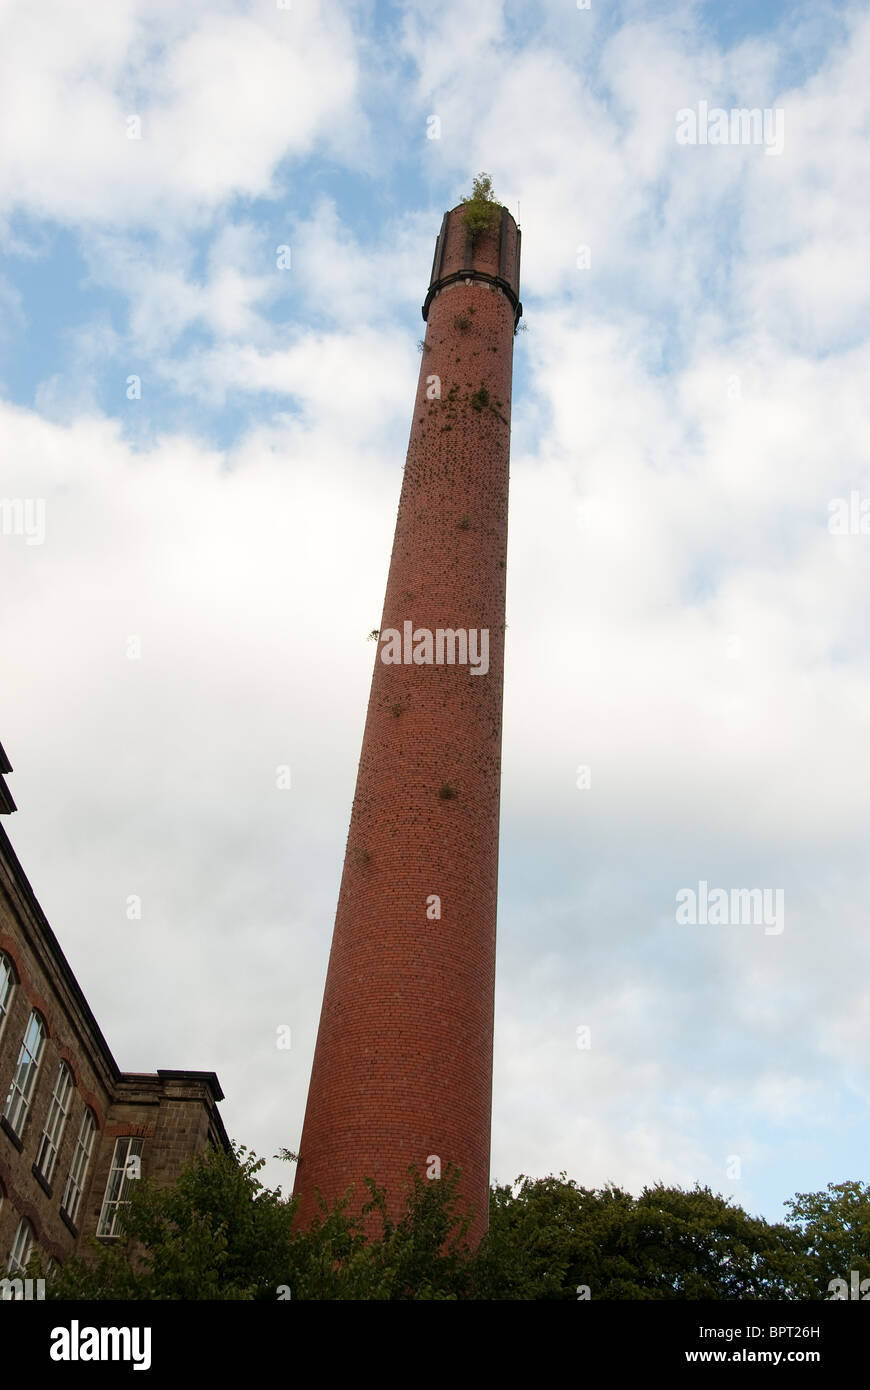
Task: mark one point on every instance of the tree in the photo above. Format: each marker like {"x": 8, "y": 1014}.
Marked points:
{"x": 834, "y": 1229}
{"x": 218, "y": 1233}
{"x": 423, "y": 1255}
{"x": 555, "y": 1240}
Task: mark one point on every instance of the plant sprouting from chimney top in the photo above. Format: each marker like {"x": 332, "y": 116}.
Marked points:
{"x": 481, "y": 208}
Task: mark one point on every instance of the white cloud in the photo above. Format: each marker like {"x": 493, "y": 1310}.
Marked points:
{"x": 222, "y": 96}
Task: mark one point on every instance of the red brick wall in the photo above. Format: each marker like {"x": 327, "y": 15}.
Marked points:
{"x": 403, "y": 1063}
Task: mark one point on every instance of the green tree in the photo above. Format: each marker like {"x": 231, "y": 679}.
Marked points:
{"x": 833, "y": 1228}
{"x": 553, "y": 1238}
{"x": 219, "y": 1233}
{"x": 423, "y": 1255}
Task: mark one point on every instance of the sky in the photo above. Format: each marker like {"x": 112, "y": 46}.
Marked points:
{"x": 208, "y": 433}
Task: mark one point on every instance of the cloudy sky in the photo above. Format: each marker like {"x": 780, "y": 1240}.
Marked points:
{"x": 214, "y": 442}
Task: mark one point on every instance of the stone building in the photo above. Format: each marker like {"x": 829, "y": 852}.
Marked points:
{"x": 75, "y": 1131}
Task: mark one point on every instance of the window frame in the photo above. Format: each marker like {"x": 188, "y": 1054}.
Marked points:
{"x": 8, "y": 982}
{"x": 79, "y": 1165}
{"x": 15, "y": 1266}
{"x": 19, "y": 1097}
{"x": 55, "y": 1121}
{"x": 118, "y": 1185}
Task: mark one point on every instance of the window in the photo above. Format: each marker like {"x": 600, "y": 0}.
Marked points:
{"x": 7, "y": 986}
{"x": 126, "y": 1168}
{"x": 21, "y": 1089}
{"x": 78, "y": 1171}
{"x": 22, "y": 1246}
{"x": 55, "y": 1123}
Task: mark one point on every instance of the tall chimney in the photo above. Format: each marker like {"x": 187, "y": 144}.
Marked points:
{"x": 402, "y": 1071}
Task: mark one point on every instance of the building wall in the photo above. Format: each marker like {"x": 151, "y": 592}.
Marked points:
{"x": 174, "y": 1113}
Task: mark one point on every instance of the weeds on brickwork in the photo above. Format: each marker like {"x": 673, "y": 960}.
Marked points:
{"x": 481, "y": 207}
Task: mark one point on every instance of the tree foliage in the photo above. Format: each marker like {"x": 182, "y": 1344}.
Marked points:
{"x": 219, "y": 1233}
{"x": 834, "y": 1230}
{"x": 555, "y": 1240}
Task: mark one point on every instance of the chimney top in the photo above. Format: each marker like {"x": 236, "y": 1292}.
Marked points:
{"x": 491, "y": 256}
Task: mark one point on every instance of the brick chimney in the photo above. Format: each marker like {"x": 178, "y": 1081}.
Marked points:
{"x": 402, "y": 1071}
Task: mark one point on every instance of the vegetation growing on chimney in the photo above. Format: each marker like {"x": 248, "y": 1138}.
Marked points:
{"x": 481, "y": 208}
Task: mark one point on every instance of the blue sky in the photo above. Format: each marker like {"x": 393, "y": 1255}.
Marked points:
{"x": 681, "y": 620}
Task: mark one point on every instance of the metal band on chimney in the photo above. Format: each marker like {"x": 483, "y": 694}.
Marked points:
{"x": 461, "y": 276}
